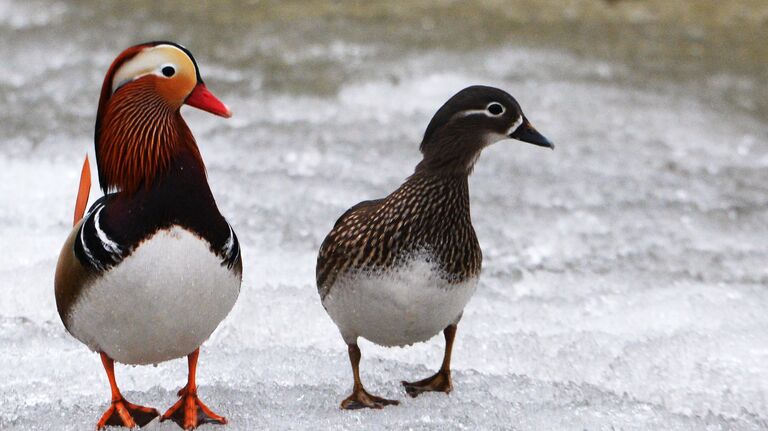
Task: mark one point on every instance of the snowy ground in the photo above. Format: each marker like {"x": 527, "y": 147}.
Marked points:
{"x": 624, "y": 287}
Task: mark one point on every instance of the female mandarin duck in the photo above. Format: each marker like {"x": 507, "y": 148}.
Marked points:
{"x": 153, "y": 267}
{"x": 399, "y": 270}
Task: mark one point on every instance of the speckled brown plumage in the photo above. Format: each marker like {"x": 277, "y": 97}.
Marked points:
{"x": 371, "y": 272}
{"x": 427, "y": 213}
{"x": 430, "y": 211}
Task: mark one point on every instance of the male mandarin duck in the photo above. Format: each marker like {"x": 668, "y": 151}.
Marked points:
{"x": 398, "y": 270}
{"x": 152, "y": 269}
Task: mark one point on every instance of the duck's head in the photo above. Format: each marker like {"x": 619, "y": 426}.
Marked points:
{"x": 169, "y": 69}
{"x": 138, "y": 124}
{"x": 472, "y": 119}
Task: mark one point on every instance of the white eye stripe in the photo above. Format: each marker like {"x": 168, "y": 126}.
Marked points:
{"x": 485, "y": 111}
{"x": 469, "y": 112}
{"x": 150, "y": 61}
{"x": 156, "y": 72}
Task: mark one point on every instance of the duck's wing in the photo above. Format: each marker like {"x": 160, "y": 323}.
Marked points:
{"x": 338, "y": 248}
{"x": 71, "y": 276}
{"x": 96, "y": 250}
{"x": 230, "y": 252}
{"x": 87, "y": 252}
{"x": 75, "y": 268}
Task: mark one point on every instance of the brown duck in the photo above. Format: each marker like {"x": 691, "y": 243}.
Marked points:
{"x": 400, "y": 269}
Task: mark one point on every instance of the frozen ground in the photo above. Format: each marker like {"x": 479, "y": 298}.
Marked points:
{"x": 625, "y": 284}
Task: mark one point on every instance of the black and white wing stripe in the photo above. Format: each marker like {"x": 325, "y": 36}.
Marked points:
{"x": 231, "y": 249}
{"x": 93, "y": 246}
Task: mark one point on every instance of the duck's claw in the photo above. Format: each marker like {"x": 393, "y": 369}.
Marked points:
{"x": 122, "y": 413}
{"x": 361, "y": 399}
{"x": 189, "y": 412}
{"x": 440, "y": 382}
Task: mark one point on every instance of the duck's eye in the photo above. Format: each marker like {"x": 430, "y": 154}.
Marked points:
{"x": 168, "y": 71}
{"x": 495, "y": 108}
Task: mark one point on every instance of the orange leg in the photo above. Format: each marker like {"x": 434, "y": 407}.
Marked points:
{"x": 121, "y": 412}
{"x": 440, "y": 381}
{"x": 360, "y": 398}
{"x": 189, "y": 411}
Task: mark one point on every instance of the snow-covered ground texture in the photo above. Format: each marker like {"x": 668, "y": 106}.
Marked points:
{"x": 624, "y": 287}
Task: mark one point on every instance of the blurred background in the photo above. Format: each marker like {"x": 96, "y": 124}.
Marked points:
{"x": 625, "y": 283}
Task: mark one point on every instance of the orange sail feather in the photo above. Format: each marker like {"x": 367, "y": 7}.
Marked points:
{"x": 83, "y": 191}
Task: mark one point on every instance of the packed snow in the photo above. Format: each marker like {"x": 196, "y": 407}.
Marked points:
{"x": 624, "y": 283}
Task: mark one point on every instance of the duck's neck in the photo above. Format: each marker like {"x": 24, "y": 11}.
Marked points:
{"x": 450, "y": 152}
{"x": 437, "y": 196}
{"x": 138, "y": 136}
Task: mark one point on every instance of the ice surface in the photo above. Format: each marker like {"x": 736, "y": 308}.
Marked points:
{"x": 625, "y": 284}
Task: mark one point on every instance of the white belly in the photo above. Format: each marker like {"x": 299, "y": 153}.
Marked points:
{"x": 159, "y": 303}
{"x": 397, "y": 307}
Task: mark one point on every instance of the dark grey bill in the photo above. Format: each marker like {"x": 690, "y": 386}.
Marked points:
{"x": 527, "y": 133}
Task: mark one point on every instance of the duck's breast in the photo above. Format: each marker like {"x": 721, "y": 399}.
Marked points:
{"x": 398, "y": 306}
{"x": 160, "y": 302}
